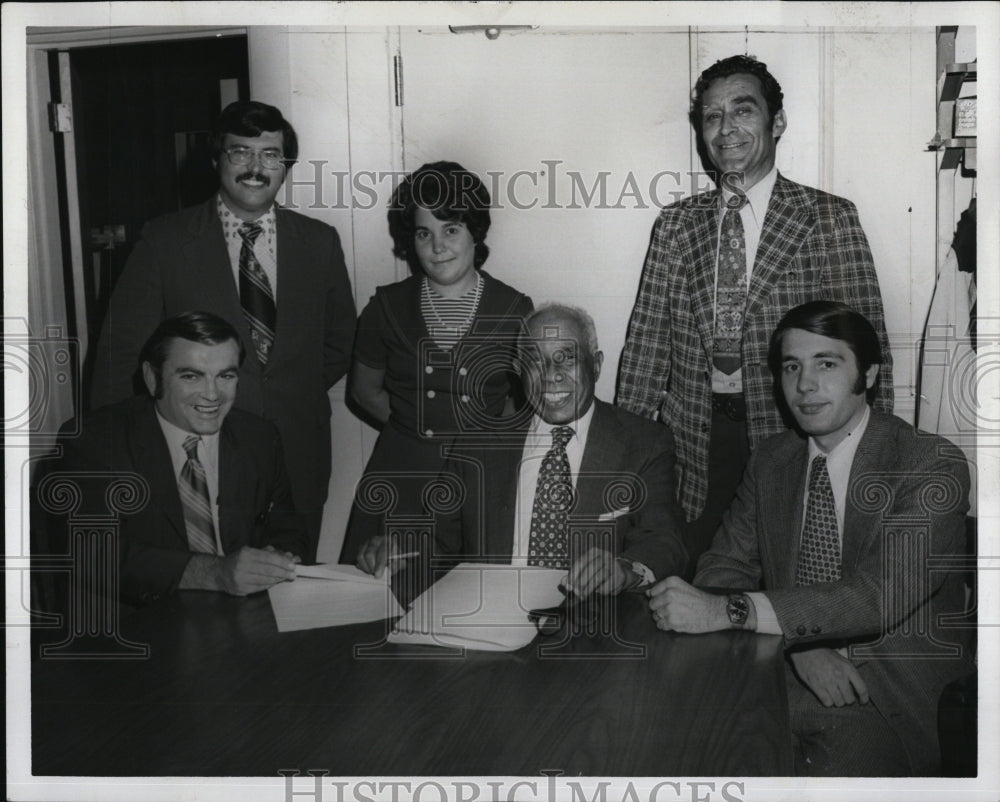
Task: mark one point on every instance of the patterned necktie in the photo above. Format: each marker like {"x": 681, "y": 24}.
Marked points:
{"x": 548, "y": 543}
{"x": 819, "y": 551}
{"x": 194, "y": 499}
{"x": 256, "y": 294}
{"x": 731, "y": 289}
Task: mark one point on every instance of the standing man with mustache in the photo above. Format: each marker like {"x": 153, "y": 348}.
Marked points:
{"x": 721, "y": 269}
{"x": 277, "y": 276}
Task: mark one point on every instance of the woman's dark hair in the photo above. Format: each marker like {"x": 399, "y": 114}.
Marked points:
{"x": 449, "y": 192}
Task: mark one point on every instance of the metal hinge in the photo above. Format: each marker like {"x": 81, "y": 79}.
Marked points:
{"x": 60, "y": 118}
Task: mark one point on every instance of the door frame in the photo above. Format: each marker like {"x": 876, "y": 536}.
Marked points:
{"x": 53, "y": 250}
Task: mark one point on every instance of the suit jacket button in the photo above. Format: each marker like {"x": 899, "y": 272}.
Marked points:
{"x": 801, "y": 630}
{"x": 817, "y": 630}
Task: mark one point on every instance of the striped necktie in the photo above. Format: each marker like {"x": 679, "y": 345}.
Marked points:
{"x": 548, "y": 541}
{"x": 256, "y": 295}
{"x": 819, "y": 550}
{"x": 194, "y": 499}
{"x": 731, "y": 289}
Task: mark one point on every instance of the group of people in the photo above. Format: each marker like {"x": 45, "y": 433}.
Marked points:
{"x": 748, "y": 475}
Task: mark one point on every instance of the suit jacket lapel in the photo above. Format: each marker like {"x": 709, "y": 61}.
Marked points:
{"x": 787, "y": 223}
{"x": 698, "y": 251}
{"x": 230, "y": 473}
{"x": 294, "y": 284}
{"x": 152, "y": 454}
{"x": 601, "y": 460}
{"x": 871, "y": 458}
{"x": 782, "y": 513}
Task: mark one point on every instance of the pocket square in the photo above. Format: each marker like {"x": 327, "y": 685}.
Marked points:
{"x": 614, "y": 515}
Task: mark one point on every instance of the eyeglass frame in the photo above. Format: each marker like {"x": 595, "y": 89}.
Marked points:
{"x": 259, "y": 154}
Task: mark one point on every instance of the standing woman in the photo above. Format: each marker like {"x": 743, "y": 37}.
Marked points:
{"x": 433, "y": 354}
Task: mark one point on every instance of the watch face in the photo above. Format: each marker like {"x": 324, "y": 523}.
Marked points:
{"x": 738, "y": 608}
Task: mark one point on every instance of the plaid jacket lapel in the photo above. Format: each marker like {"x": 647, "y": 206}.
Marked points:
{"x": 701, "y": 245}
{"x": 787, "y": 223}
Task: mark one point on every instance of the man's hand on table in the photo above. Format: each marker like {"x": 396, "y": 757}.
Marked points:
{"x": 678, "y": 606}
{"x": 241, "y": 573}
{"x": 597, "y": 571}
{"x": 833, "y": 679}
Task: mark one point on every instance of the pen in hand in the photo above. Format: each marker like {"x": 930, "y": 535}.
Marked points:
{"x": 403, "y": 556}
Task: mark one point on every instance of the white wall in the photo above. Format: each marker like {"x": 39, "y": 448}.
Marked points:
{"x": 860, "y": 105}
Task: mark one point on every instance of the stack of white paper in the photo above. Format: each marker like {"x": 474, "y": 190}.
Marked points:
{"x": 330, "y": 596}
{"x": 480, "y": 606}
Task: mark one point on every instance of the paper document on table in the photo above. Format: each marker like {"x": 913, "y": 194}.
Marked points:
{"x": 480, "y": 606}
{"x": 310, "y": 603}
{"x": 341, "y": 573}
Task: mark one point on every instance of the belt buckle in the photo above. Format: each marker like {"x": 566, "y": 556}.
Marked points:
{"x": 732, "y": 405}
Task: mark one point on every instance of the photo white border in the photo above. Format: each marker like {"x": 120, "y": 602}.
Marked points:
{"x": 984, "y": 15}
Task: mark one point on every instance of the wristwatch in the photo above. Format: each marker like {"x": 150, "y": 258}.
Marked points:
{"x": 636, "y": 577}
{"x": 738, "y": 608}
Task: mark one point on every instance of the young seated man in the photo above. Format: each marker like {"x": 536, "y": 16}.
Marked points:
{"x": 833, "y": 534}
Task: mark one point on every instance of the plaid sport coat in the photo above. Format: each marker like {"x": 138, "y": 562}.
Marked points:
{"x": 811, "y": 247}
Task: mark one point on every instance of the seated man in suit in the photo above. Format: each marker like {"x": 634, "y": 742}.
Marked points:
{"x": 841, "y": 566}
{"x": 585, "y": 486}
{"x": 220, "y": 514}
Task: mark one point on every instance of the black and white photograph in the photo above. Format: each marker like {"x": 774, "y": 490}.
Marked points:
{"x": 501, "y": 401}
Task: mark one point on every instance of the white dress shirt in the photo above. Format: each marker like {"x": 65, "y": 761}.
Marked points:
{"x": 208, "y": 456}
{"x": 752, "y": 215}
{"x": 536, "y": 446}
{"x": 265, "y": 247}
{"x": 838, "y": 466}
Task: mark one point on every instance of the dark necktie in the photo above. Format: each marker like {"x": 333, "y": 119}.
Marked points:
{"x": 548, "y": 542}
{"x": 731, "y": 289}
{"x": 256, "y": 295}
{"x": 194, "y": 499}
{"x": 819, "y": 550}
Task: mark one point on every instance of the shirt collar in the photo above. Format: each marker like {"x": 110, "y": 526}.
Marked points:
{"x": 231, "y": 223}
{"x": 175, "y": 436}
{"x": 580, "y": 427}
{"x": 759, "y": 195}
{"x": 844, "y": 450}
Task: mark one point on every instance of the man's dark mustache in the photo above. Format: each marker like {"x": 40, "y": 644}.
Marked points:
{"x": 254, "y": 177}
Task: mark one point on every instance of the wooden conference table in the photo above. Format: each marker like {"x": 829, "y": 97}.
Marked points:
{"x": 224, "y": 693}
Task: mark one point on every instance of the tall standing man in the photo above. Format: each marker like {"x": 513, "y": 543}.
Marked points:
{"x": 722, "y": 268}
{"x": 847, "y": 565}
{"x": 277, "y": 276}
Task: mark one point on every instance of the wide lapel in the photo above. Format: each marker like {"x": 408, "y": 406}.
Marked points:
{"x": 787, "y": 223}
{"x": 697, "y": 245}
{"x": 151, "y": 453}
{"x": 601, "y": 462}
{"x": 231, "y": 470}
{"x": 874, "y": 453}
{"x": 781, "y": 513}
